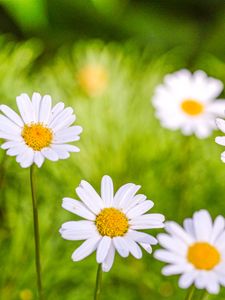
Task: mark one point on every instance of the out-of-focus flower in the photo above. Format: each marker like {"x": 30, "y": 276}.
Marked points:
{"x": 93, "y": 79}
{"x": 196, "y": 251}
{"x": 26, "y": 295}
{"x": 112, "y": 222}
{"x": 186, "y": 101}
{"x": 221, "y": 139}
{"x": 42, "y": 131}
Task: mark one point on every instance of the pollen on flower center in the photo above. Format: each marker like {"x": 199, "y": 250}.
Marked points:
{"x": 37, "y": 136}
{"x": 111, "y": 222}
{"x": 192, "y": 107}
{"x": 203, "y": 256}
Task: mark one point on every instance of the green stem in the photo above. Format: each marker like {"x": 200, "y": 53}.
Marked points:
{"x": 36, "y": 233}
{"x": 98, "y": 283}
{"x": 205, "y": 295}
{"x": 190, "y": 293}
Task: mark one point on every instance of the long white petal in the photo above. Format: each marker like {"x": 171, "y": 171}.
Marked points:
{"x": 107, "y": 190}
{"x": 103, "y": 249}
{"x": 86, "y": 248}
{"x": 121, "y": 246}
{"x": 45, "y": 109}
{"x": 26, "y": 108}
{"x": 78, "y": 208}
{"x": 108, "y": 262}
{"x": 12, "y": 115}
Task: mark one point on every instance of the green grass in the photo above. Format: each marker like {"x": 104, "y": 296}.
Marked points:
{"x": 121, "y": 138}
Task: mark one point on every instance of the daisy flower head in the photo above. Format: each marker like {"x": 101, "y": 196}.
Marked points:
{"x": 187, "y": 102}
{"x": 112, "y": 222}
{"x": 40, "y": 131}
{"x": 196, "y": 251}
{"x": 221, "y": 139}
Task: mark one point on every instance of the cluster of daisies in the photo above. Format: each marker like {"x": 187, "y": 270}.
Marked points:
{"x": 113, "y": 221}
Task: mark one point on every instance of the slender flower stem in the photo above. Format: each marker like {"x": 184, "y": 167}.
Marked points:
{"x": 190, "y": 293}
{"x": 36, "y": 233}
{"x": 205, "y": 295}
{"x": 98, "y": 283}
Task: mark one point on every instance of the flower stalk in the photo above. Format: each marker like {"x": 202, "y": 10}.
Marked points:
{"x": 36, "y": 233}
{"x": 190, "y": 293}
{"x": 98, "y": 283}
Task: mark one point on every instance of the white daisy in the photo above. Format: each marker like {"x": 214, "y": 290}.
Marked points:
{"x": 186, "y": 101}
{"x": 221, "y": 139}
{"x": 196, "y": 251}
{"x": 112, "y": 222}
{"x": 42, "y": 131}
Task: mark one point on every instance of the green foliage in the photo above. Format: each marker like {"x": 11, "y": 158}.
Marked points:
{"x": 121, "y": 138}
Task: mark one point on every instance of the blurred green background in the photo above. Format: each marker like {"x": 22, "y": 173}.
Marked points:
{"x": 48, "y": 46}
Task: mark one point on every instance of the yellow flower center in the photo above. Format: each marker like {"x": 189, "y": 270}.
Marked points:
{"x": 93, "y": 79}
{"x": 111, "y": 222}
{"x": 192, "y": 107}
{"x": 37, "y": 136}
{"x": 203, "y": 256}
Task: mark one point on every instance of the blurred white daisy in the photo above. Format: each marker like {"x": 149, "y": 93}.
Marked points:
{"x": 186, "y": 101}
{"x": 221, "y": 139}
{"x": 197, "y": 251}
{"x": 112, "y": 222}
{"x": 42, "y": 131}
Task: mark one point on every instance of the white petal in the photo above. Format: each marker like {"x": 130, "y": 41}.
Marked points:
{"x": 147, "y": 221}
{"x": 36, "y": 99}
{"x": 12, "y": 115}
{"x": 108, "y": 262}
{"x": 223, "y": 156}
{"x": 28, "y": 159}
{"x": 57, "y": 109}
{"x": 137, "y": 199}
{"x": 187, "y": 279}
{"x": 169, "y": 257}
{"x": 10, "y": 144}
{"x": 176, "y": 269}
{"x": 62, "y": 119}
{"x": 8, "y": 126}
{"x": 133, "y": 247}
{"x": 189, "y": 227}
{"x": 62, "y": 153}
{"x": 218, "y": 228}
{"x": 121, "y": 246}
{"x": 38, "y": 158}
{"x": 78, "y": 230}
{"x": 176, "y": 230}
{"x": 140, "y": 209}
{"x": 142, "y": 237}
{"x": 45, "y": 110}
{"x": 103, "y": 249}
{"x": 88, "y": 200}
{"x": 201, "y": 279}
{"x": 67, "y": 132}
{"x": 173, "y": 244}
{"x": 203, "y": 225}
{"x": 220, "y": 140}
{"x": 19, "y": 149}
{"x": 49, "y": 154}
{"x": 11, "y": 137}
{"x": 78, "y": 208}
{"x": 212, "y": 283}
{"x": 107, "y": 190}
{"x": 86, "y": 248}
{"x": 121, "y": 191}
{"x": 147, "y": 247}
{"x": 26, "y": 108}
{"x": 92, "y": 193}
{"x": 220, "y": 124}
{"x": 127, "y": 196}
{"x": 66, "y": 147}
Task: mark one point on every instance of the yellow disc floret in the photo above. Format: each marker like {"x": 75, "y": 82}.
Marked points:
{"x": 37, "y": 136}
{"x": 203, "y": 256}
{"x": 112, "y": 222}
{"x": 192, "y": 107}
